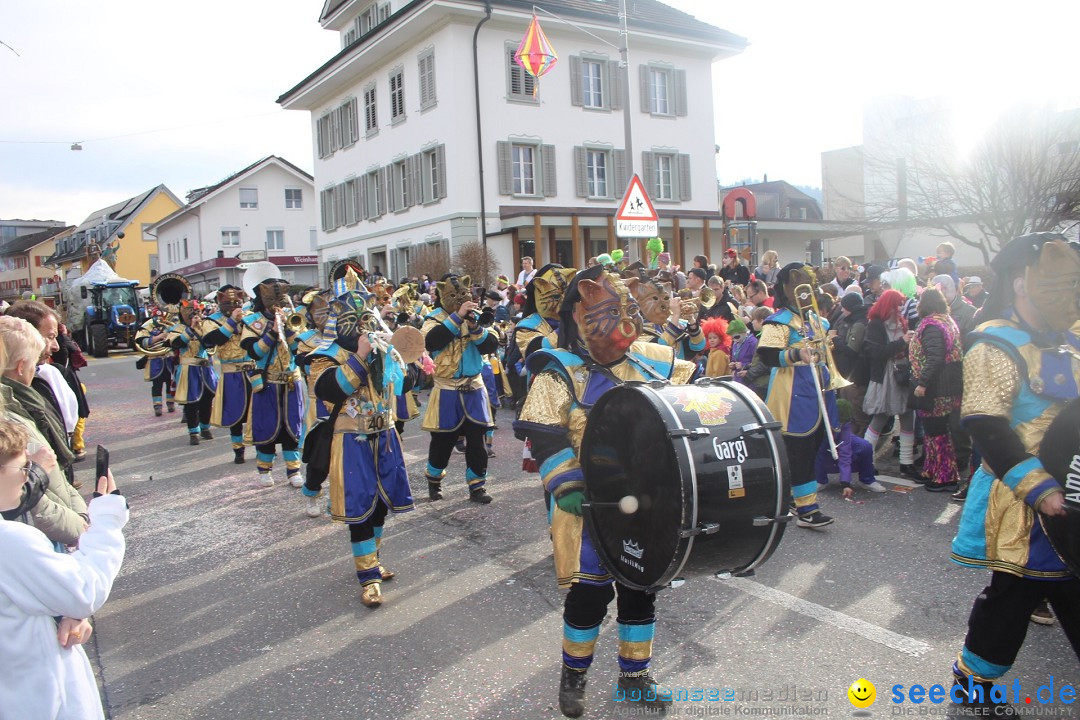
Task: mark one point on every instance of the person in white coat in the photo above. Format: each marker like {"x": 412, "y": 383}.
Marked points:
{"x": 46, "y": 673}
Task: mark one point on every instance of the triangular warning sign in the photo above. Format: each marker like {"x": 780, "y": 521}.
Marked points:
{"x": 636, "y": 204}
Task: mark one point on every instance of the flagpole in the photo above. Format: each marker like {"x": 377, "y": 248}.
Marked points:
{"x": 628, "y": 141}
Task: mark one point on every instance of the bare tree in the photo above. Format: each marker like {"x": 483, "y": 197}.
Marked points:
{"x": 478, "y": 262}
{"x": 433, "y": 259}
{"x": 1023, "y": 176}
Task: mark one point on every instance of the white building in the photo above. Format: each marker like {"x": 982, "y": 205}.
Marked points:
{"x": 407, "y": 153}
{"x": 269, "y": 205}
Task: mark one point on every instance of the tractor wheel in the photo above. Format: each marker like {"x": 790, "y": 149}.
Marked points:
{"x": 99, "y": 340}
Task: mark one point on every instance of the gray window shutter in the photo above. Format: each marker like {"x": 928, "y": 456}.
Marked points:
{"x": 362, "y": 189}
{"x": 581, "y": 185}
{"x": 684, "y": 175}
{"x": 506, "y": 178}
{"x": 575, "y": 81}
{"x": 392, "y": 195}
{"x": 644, "y": 75}
{"x": 440, "y": 155}
{"x": 679, "y": 77}
{"x": 621, "y": 180}
{"x": 548, "y": 158}
{"x": 613, "y": 92}
{"x": 380, "y": 202}
{"x": 648, "y": 172}
{"x": 416, "y": 189}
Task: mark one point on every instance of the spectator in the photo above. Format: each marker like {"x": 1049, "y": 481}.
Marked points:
{"x": 718, "y": 344}
{"x": 46, "y": 671}
{"x": 743, "y": 347}
{"x": 700, "y": 261}
{"x": 886, "y": 344}
{"x": 725, "y": 307}
{"x": 902, "y": 279}
{"x": 945, "y": 265}
{"x": 845, "y": 277}
{"x": 757, "y": 376}
{"x": 963, "y": 313}
{"x": 527, "y": 272}
{"x": 852, "y": 364}
{"x": 937, "y": 377}
{"x": 758, "y": 294}
{"x": 853, "y": 454}
{"x": 974, "y": 292}
{"x": 502, "y": 286}
{"x": 734, "y": 271}
{"x": 493, "y": 301}
{"x": 769, "y": 267}
{"x": 695, "y": 280}
{"x": 871, "y": 284}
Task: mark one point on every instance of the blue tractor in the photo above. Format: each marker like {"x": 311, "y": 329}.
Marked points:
{"x": 112, "y": 317}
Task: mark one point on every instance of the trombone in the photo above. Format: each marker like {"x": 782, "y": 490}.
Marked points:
{"x": 817, "y": 341}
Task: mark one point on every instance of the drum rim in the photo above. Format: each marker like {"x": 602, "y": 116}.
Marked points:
{"x": 780, "y": 463}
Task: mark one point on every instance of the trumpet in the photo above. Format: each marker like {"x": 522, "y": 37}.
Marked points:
{"x": 816, "y": 339}
{"x": 405, "y": 345}
{"x": 690, "y": 304}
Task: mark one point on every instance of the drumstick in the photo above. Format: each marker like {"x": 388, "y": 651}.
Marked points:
{"x": 628, "y": 504}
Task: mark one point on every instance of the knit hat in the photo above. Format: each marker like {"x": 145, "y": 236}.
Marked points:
{"x": 873, "y": 272}
{"x": 736, "y": 326}
{"x": 851, "y": 302}
{"x": 664, "y": 257}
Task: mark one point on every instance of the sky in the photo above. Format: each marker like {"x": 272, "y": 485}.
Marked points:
{"x": 155, "y": 95}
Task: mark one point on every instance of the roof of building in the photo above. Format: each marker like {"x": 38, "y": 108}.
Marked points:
{"x": 644, "y": 15}
{"x": 120, "y": 213}
{"x": 784, "y": 193}
{"x": 24, "y": 243}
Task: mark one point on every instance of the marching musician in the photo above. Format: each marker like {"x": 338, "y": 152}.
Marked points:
{"x": 196, "y": 381}
{"x": 159, "y": 370}
{"x": 794, "y": 389}
{"x": 458, "y": 404}
{"x": 222, "y": 331}
{"x": 664, "y": 318}
{"x": 598, "y": 324}
{"x": 1021, "y": 370}
{"x": 276, "y": 408}
{"x": 367, "y": 472}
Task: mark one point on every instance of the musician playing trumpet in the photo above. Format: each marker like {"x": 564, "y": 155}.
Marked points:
{"x": 276, "y": 409}
{"x": 222, "y": 331}
{"x": 671, "y": 321}
{"x": 791, "y": 342}
{"x": 196, "y": 381}
{"x": 159, "y": 368}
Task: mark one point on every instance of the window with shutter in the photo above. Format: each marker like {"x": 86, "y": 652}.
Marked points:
{"x": 426, "y": 62}
{"x": 596, "y": 173}
{"x": 684, "y": 176}
{"x": 523, "y": 169}
{"x": 249, "y": 198}
{"x": 349, "y": 195}
{"x": 547, "y": 155}
{"x": 521, "y": 86}
{"x": 371, "y": 120}
{"x": 397, "y": 95}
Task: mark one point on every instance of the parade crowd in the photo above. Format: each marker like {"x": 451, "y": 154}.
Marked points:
{"x": 854, "y": 362}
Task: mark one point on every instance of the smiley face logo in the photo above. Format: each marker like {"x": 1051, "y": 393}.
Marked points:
{"x": 862, "y": 693}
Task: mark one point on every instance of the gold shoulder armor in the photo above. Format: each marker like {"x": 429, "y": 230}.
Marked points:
{"x": 548, "y": 401}
{"x": 991, "y": 381}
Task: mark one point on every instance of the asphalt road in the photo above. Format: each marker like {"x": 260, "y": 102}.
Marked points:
{"x": 233, "y": 604}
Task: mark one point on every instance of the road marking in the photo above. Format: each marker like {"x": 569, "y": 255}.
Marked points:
{"x": 899, "y": 481}
{"x": 855, "y": 626}
{"x": 947, "y": 514}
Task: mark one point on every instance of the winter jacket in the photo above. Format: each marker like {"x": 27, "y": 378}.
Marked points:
{"x": 852, "y": 364}
{"x": 41, "y": 680}
{"x": 963, "y": 314}
{"x": 880, "y": 350}
{"x": 738, "y": 275}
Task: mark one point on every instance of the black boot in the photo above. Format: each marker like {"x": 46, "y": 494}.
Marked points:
{"x": 206, "y": 435}
{"x": 976, "y": 696}
{"x": 238, "y": 456}
{"x": 479, "y": 495}
{"x": 434, "y": 488}
{"x": 644, "y": 691}
{"x": 572, "y": 692}
{"x": 193, "y": 439}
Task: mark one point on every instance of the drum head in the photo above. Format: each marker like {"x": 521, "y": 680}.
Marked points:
{"x": 626, "y": 452}
{"x": 1059, "y": 452}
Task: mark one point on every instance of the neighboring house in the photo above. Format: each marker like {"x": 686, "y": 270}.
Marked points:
{"x": 399, "y": 149}
{"x": 22, "y": 264}
{"x": 787, "y": 220}
{"x": 137, "y": 255}
{"x": 11, "y": 229}
{"x": 268, "y": 206}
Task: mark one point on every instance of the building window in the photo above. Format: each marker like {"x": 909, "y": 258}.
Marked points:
{"x": 327, "y": 199}
{"x": 249, "y": 198}
{"x": 592, "y": 84}
{"x": 372, "y": 17}
{"x": 185, "y": 249}
{"x": 275, "y": 239}
{"x": 374, "y": 185}
{"x": 347, "y": 126}
{"x": 323, "y": 129}
{"x": 397, "y": 95}
{"x": 596, "y": 167}
{"x": 398, "y": 192}
{"x": 663, "y": 90}
{"x": 348, "y": 190}
{"x": 667, "y": 175}
{"x": 230, "y": 238}
{"x": 522, "y": 85}
{"x": 426, "y": 63}
{"x": 526, "y": 169}
{"x": 371, "y": 120}
{"x": 294, "y": 199}
{"x": 432, "y": 164}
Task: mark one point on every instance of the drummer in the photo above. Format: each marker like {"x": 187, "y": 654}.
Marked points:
{"x": 599, "y": 322}
{"x": 1018, "y": 375}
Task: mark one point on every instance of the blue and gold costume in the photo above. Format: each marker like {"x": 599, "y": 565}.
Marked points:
{"x": 234, "y": 390}
{"x": 196, "y": 381}
{"x": 159, "y": 371}
{"x": 276, "y": 408}
{"x": 458, "y": 404}
{"x": 687, "y": 341}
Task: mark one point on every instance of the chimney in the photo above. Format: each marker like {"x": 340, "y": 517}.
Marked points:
{"x": 766, "y": 178}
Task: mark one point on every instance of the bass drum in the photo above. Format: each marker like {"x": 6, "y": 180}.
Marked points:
{"x": 683, "y": 479}
{"x": 1059, "y": 452}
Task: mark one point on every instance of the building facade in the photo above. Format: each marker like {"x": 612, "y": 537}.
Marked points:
{"x": 408, "y": 154}
{"x": 268, "y": 206}
{"x": 136, "y": 251}
{"x": 23, "y": 264}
